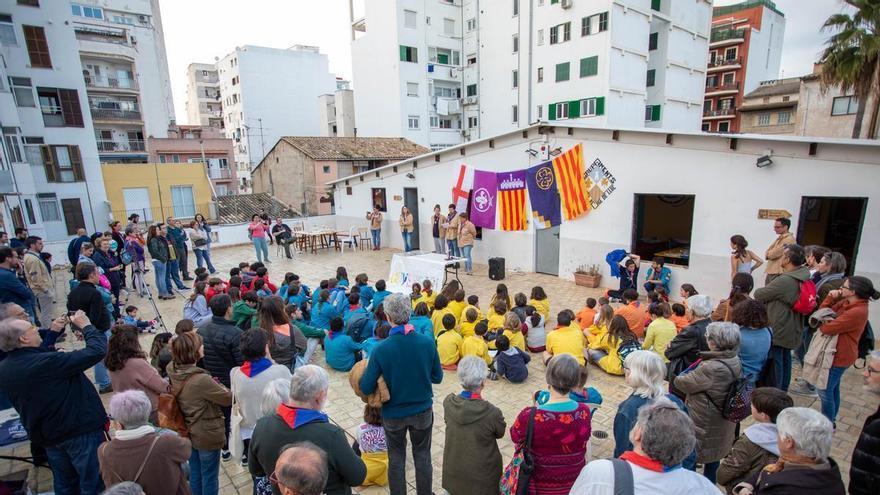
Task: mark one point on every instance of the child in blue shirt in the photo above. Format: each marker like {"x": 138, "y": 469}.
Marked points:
{"x": 365, "y": 290}
{"x": 420, "y": 320}
{"x": 379, "y": 295}
{"x": 131, "y": 318}
{"x": 510, "y": 362}
{"x": 323, "y": 311}
{"x": 341, "y": 351}
{"x": 382, "y": 330}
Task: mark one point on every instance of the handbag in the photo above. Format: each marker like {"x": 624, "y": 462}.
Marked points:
{"x": 518, "y": 473}
{"x": 170, "y": 415}
{"x": 236, "y": 444}
{"x": 200, "y": 242}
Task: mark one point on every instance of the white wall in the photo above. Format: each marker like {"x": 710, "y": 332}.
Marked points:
{"x": 765, "y": 50}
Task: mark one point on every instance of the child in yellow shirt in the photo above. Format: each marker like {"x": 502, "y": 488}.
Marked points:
{"x": 567, "y": 338}
{"x": 457, "y": 304}
{"x": 475, "y": 345}
{"x": 661, "y": 331}
{"x": 496, "y": 315}
{"x": 428, "y": 294}
{"x": 469, "y": 322}
{"x": 440, "y": 310}
{"x": 449, "y": 344}
{"x": 540, "y": 302}
{"x": 474, "y": 302}
{"x": 513, "y": 332}
{"x": 595, "y": 332}
{"x": 416, "y": 295}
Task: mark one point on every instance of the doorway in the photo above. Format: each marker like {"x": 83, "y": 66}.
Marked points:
{"x": 835, "y": 223}
{"x": 411, "y": 201}
{"x": 547, "y": 250}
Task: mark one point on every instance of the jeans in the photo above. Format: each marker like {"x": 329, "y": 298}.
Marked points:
{"x": 439, "y": 245}
{"x": 710, "y": 470}
{"x": 159, "y": 269}
{"x": 102, "y": 376}
{"x": 831, "y": 395}
{"x": 377, "y": 238}
{"x": 452, "y": 248}
{"x": 204, "y": 472}
{"x": 419, "y": 428}
{"x": 801, "y": 351}
{"x": 595, "y": 355}
{"x": 468, "y": 262}
{"x": 74, "y": 464}
{"x": 203, "y": 257}
{"x": 407, "y": 241}
{"x": 782, "y": 360}
{"x": 311, "y": 346}
{"x": 262, "y": 248}
{"x": 171, "y": 273}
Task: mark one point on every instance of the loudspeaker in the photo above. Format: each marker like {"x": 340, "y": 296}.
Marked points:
{"x": 496, "y": 268}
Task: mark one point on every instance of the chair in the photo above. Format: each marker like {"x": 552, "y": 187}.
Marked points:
{"x": 351, "y": 239}
{"x": 364, "y": 238}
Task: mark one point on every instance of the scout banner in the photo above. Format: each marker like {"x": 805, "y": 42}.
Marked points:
{"x": 512, "y": 200}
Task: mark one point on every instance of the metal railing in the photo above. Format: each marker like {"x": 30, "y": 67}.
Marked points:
{"x": 734, "y": 86}
{"x": 219, "y": 173}
{"x": 115, "y": 114}
{"x": 108, "y": 145}
{"x": 727, "y": 34}
{"x": 725, "y": 61}
{"x": 153, "y": 214}
{"x": 719, "y": 112}
{"x": 110, "y": 82}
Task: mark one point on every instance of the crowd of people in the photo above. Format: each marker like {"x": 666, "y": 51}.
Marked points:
{"x": 241, "y": 378}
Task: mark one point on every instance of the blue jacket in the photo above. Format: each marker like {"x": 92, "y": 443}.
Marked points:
{"x": 340, "y": 351}
{"x": 13, "y": 291}
{"x": 322, "y": 314}
{"x": 613, "y": 259}
{"x": 422, "y": 325}
{"x": 514, "y": 367}
{"x": 378, "y": 297}
{"x": 625, "y": 419}
{"x": 74, "y": 247}
{"x": 49, "y": 390}
{"x": 366, "y": 295}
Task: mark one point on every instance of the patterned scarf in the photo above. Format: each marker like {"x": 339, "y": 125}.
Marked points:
{"x": 471, "y": 395}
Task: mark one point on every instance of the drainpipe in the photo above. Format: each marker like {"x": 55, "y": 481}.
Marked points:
{"x": 529, "y": 87}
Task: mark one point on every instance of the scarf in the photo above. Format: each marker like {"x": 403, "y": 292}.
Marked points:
{"x": 401, "y": 330}
{"x": 471, "y": 395}
{"x": 333, "y": 335}
{"x": 646, "y": 462}
{"x": 254, "y": 368}
{"x": 135, "y": 433}
{"x": 828, "y": 278}
{"x": 295, "y": 417}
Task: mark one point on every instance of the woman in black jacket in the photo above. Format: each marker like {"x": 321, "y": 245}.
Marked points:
{"x": 109, "y": 263}
{"x": 864, "y": 472}
{"x": 158, "y": 247}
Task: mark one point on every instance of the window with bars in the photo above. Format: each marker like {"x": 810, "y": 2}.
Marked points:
{"x": 37, "y": 47}
{"x": 764, "y": 119}
{"x": 783, "y": 118}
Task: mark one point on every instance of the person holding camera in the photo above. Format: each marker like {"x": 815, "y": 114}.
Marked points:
{"x": 59, "y": 406}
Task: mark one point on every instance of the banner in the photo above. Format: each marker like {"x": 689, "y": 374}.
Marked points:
{"x": 543, "y": 195}
{"x": 483, "y": 199}
{"x": 462, "y": 188}
{"x": 512, "y": 200}
{"x": 599, "y": 183}
{"x": 408, "y": 269}
{"x": 569, "y": 168}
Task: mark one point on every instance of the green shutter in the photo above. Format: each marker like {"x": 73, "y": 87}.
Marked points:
{"x": 553, "y": 1}
{"x": 655, "y": 113}
{"x": 650, "y": 77}
{"x": 589, "y": 66}
{"x": 551, "y": 111}
{"x": 574, "y": 109}
{"x": 655, "y": 5}
{"x": 600, "y": 105}
{"x": 442, "y": 58}
{"x": 562, "y": 71}
{"x": 402, "y": 53}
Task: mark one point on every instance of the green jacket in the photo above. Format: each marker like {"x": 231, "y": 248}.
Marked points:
{"x": 240, "y": 314}
{"x": 309, "y": 331}
{"x": 779, "y": 296}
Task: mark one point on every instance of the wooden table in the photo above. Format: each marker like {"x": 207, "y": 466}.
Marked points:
{"x": 313, "y": 240}
{"x": 680, "y": 253}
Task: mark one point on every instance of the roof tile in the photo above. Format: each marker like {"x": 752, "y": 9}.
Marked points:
{"x": 356, "y": 148}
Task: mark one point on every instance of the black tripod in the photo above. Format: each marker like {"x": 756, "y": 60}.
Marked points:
{"x": 142, "y": 288}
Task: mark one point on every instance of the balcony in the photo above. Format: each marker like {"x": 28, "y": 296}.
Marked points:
{"x": 724, "y": 63}
{"x": 104, "y": 82}
{"x": 116, "y": 114}
{"x": 723, "y": 37}
{"x": 219, "y": 173}
{"x": 110, "y": 146}
{"x": 101, "y": 34}
{"x": 721, "y": 89}
{"x": 719, "y": 113}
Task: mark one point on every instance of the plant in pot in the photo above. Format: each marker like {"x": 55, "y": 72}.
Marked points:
{"x": 588, "y": 276}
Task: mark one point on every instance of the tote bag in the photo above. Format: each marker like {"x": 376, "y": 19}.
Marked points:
{"x": 516, "y": 476}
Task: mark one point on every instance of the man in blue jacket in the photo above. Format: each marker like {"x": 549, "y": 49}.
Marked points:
{"x": 75, "y": 246}
{"x": 12, "y": 290}
{"x": 64, "y": 412}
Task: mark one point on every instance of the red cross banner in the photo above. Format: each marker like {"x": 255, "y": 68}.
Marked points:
{"x": 462, "y": 187}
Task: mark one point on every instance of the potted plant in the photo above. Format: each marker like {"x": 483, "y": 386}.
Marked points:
{"x": 588, "y": 276}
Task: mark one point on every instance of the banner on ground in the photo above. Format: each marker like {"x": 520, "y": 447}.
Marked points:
{"x": 569, "y": 168}
{"x": 543, "y": 195}
{"x": 512, "y": 200}
{"x": 483, "y": 199}
{"x": 462, "y": 188}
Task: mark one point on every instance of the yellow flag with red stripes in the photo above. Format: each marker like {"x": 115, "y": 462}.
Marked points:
{"x": 569, "y": 169}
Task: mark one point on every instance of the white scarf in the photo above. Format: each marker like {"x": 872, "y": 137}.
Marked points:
{"x": 134, "y": 434}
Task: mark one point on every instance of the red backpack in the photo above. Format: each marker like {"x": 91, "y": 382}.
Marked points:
{"x": 806, "y": 301}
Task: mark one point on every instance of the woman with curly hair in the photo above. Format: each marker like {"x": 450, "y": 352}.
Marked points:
{"x": 129, "y": 368}
{"x": 742, "y": 260}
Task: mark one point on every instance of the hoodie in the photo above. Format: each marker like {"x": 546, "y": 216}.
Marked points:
{"x": 471, "y": 459}
{"x": 513, "y": 365}
{"x": 753, "y": 450}
{"x": 243, "y": 315}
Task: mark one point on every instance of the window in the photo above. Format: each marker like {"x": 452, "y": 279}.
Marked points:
{"x": 652, "y": 113}
{"x": 783, "y": 118}
{"x": 540, "y": 74}
{"x": 49, "y": 207}
{"x": 562, "y": 110}
{"x": 515, "y": 43}
{"x": 471, "y": 90}
{"x": 724, "y": 127}
{"x": 661, "y": 222}
{"x": 764, "y": 119}
{"x": 409, "y": 54}
{"x": 73, "y": 215}
{"x": 844, "y": 105}
{"x": 7, "y": 31}
{"x": 434, "y": 121}
{"x": 540, "y": 37}
{"x": 514, "y": 113}
{"x": 515, "y": 7}
{"x": 588, "y": 107}
{"x": 707, "y": 106}
{"x": 38, "y": 49}
{"x": 412, "y": 89}
{"x": 410, "y": 19}
{"x": 444, "y": 56}
{"x": 182, "y": 200}
{"x": 727, "y": 78}
{"x": 444, "y": 92}
{"x": 60, "y": 107}
{"x": 449, "y": 27}
{"x": 378, "y": 194}
{"x": 560, "y": 33}
{"x": 84, "y": 11}
{"x": 413, "y": 121}
{"x": 325, "y": 169}
{"x": 29, "y": 208}
{"x": 594, "y": 24}
{"x": 603, "y": 21}
{"x": 562, "y": 71}
{"x": 655, "y": 5}
{"x": 235, "y": 81}
{"x": 13, "y": 144}
{"x": 62, "y": 163}
{"x": 472, "y": 60}
{"x": 515, "y": 75}
{"x": 652, "y": 41}
{"x": 650, "y": 78}
{"x": 472, "y": 122}
{"x": 446, "y": 123}
{"x": 554, "y": 35}
{"x": 29, "y": 3}
{"x": 712, "y": 81}
{"x": 730, "y": 54}
{"x": 32, "y": 150}
{"x": 540, "y": 111}
{"x": 786, "y": 98}
{"x": 471, "y": 24}
{"x": 589, "y": 66}
{"x": 22, "y": 91}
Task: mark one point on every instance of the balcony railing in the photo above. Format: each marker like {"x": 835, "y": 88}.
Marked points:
{"x": 727, "y": 34}
{"x": 734, "y": 86}
{"x": 219, "y": 173}
{"x": 115, "y": 114}
{"x": 725, "y": 61}
{"x": 719, "y": 112}
{"x": 110, "y": 82}
{"x": 107, "y": 145}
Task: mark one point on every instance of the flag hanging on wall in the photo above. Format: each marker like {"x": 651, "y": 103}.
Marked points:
{"x": 569, "y": 168}
{"x": 462, "y": 188}
{"x": 483, "y": 199}
{"x": 512, "y": 200}
{"x": 543, "y": 195}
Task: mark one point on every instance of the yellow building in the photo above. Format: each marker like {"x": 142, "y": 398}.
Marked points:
{"x": 158, "y": 190}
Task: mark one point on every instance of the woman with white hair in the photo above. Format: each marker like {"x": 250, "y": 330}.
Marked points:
{"x": 706, "y": 386}
{"x": 804, "y": 464}
{"x": 686, "y": 347}
{"x": 471, "y": 459}
{"x": 141, "y": 453}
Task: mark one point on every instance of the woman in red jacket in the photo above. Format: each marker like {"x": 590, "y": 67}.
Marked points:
{"x": 850, "y": 303}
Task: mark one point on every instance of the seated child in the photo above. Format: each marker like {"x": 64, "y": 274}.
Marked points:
{"x": 382, "y": 330}
{"x": 600, "y": 327}
{"x": 296, "y": 294}
{"x": 566, "y": 338}
{"x": 661, "y": 331}
{"x": 678, "y": 316}
{"x": 512, "y": 330}
{"x": 540, "y": 301}
{"x": 457, "y": 304}
{"x": 474, "y": 302}
{"x": 536, "y": 337}
{"x": 259, "y": 286}
{"x": 496, "y": 316}
{"x": 380, "y": 294}
{"x": 131, "y": 318}
{"x": 416, "y": 294}
{"x": 421, "y": 322}
{"x": 215, "y": 286}
{"x": 234, "y": 295}
{"x": 614, "y": 346}
{"x": 661, "y": 293}
{"x": 469, "y": 322}
{"x": 756, "y": 447}
{"x": 475, "y": 345}
{"x": 201, "y": 274}
{"x": 510, "y": 362}
{"x": 583, "y": 394}
{"x": 428, "y": 294}
{"x": 314, "y": 336}
{"x": 587, "y": 316}
{"x": 440, "y": 311}
{"x": 341, "y": 351}
{"x": 366, "y": 292}
{"x": 235, "y": 281}
{"x": 371, "y": 446}
{"x": 520, "y": 305}
{"x": 262, "y": 273}
{"x": 449, "y": 344}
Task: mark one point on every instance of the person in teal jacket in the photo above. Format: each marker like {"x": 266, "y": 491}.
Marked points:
{"x": 341, "y": 351}
{"x": 421, "y": 322}
{"x": 323, "y": 311}
{"x": 658, "y": 275}
{"x": 379, "y": 294}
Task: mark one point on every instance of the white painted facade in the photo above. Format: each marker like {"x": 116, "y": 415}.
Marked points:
{"x": 336, "y": 113}
{"x": 504, "y": 66}
{"x": 727, "y": 186}
{"x": 203, "y": 105}
{"x": 268, "y": 93}
{"x": 29, "y": 121}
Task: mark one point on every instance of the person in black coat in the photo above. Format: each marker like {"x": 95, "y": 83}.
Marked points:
{"x": 864, "y": 472}
{"x": 75, "y": 245}
{"x": 86, "y": 297}
{"x": 105, "y": 258}
{"x": 686, "y": 347}
{"x": 59, "y": 406}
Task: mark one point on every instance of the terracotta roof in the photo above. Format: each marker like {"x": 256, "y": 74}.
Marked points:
{"x": 784, "y": 87}
{"x": 239, "y": 208}
{"x": 351, "y": 148}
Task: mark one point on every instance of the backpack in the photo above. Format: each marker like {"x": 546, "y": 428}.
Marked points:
{"x": 806, "y": 301}
{"x": 170, "y": 415}
{"x": 737, "y": 404}
{"x": 125, "y": 255}
{"x": 866, "y": 344}
{"x": 356, "y": 326}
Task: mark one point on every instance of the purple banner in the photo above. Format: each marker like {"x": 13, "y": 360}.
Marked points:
{"x": 483, "y": 197}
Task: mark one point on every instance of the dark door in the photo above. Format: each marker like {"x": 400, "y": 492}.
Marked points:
{"x": 547, "y": 250}
{"x": 411, "y": 201}
{"x": 835, "y": 223}
{"x": 73, "y": 215}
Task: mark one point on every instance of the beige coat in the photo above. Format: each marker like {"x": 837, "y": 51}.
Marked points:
{"x": 375, "y": 220}
{"x": 36, "y": 273}
{"x": 467, "y": 232}
{"x": 452, "y": 228}
{"x": 406, "y": 223}
{"x": 774, "y": 253}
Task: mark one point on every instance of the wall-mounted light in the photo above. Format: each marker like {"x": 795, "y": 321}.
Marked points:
{"x": 532, "y": 152}
{"x": 411, "y": 175}
{"x": 764, "y": 160}
{"x": 555, "y": 152}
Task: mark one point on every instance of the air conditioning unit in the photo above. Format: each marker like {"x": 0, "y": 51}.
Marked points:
{"x": 470, "y": 100}
{"x": 565, "y": 4}
{"x": 465, "y": 133}
{"x": 453, "y": 74}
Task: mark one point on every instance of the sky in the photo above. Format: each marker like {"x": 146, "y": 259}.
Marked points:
{"x": 200, "y": 30}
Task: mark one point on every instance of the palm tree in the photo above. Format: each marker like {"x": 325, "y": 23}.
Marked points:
{"x": 851, "y": 59}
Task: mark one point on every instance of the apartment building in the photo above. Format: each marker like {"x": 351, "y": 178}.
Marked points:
{"x": 207, "y": 145}
{"x": 441, "y": 72}
{"x": 50, "y": 173}
{"x": 267, "y": 93}
{"x": 745, "y": 48}
{"x": 203, "y": 103}
{"x": 336, "y": 114}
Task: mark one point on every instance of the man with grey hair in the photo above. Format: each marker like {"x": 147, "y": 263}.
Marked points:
{"x": 301, "y": 469}
{"x": 409, "y": 363}
{"x": 804, "y": 440}
{"x": 685, "y": 348}
{"x": 864, "y": 473}
{"x": 662, "y": 438}
{"x": 300, "y": 419}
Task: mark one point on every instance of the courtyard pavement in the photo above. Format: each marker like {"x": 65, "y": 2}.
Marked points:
{"x": 346, "y": 410}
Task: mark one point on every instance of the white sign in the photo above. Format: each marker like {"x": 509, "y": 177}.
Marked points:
{"x": 409, "y": 269}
